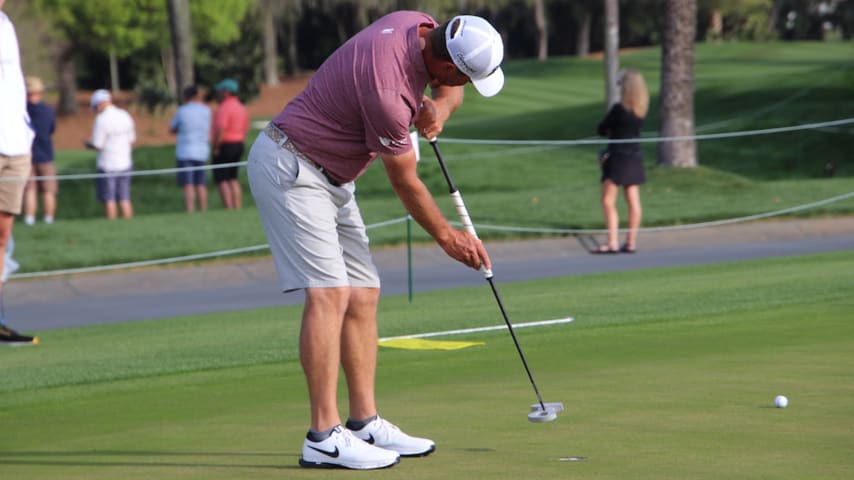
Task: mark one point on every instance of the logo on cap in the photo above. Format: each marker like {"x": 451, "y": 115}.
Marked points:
{"x": 477, "y": 50}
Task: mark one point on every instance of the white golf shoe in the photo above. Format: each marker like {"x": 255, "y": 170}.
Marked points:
{"x": 343, "y": 450}
{"x": 385, "y": 434}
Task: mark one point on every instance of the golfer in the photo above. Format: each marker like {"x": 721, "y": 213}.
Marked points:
{"x": 359, "y": 105}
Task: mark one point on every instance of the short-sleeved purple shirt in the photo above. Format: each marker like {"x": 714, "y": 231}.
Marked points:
{"x": 363, "y": 99}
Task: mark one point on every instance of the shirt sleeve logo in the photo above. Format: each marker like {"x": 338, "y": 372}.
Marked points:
{"x": 388, "y": 142}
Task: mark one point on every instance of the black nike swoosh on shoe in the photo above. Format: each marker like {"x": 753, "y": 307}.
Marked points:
{"x": 333, "y": 453}
{"x": 370, "y": 438}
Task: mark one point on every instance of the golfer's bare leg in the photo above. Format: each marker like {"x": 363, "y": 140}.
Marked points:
{"x": 320, "y": 351}
{"x": 359, "y": 351}
{"x": 635, "y": 214}
{"x": 7, "y": 221}
{"x": 609, "y": 208}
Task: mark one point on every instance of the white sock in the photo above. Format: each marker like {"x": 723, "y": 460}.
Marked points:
{"x": 30, "y": 220}
{"x": 48, "y": 219}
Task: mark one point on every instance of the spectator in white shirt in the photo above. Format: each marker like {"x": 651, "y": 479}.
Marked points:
{"x": 112, "y": 136}
{"x": 16, "y": 137}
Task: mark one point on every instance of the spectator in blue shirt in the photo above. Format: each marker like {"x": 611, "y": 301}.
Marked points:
{"x": 192, "y": 124}
{"x": 43, "y": 120}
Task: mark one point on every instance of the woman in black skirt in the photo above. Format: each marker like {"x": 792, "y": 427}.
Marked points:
{"x": 623, "y": 164}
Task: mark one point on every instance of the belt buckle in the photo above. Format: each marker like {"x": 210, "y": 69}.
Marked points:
{"x": 278, "y": 136}
{"x": 275, "y": 134}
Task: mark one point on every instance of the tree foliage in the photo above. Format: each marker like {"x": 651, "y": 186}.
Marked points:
{"x": 307, "y": 31}
{"x": 240, "y": 59}
{"x": 105, "y": 24}
{"x": 744, "y": 19}
{"x": 128, "y": 27}
{"x": 220, "y": 25}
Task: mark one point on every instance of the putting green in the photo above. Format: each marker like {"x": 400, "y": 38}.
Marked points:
{"x": 667, "y": 373}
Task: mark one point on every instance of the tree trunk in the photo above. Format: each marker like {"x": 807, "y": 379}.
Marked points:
{"x": 271, "y": 54}
{"x": 676, "y": 109}
{"x": 114, "y": 71}
{"x": 66, "y": 75}
{"x": 292, "y": 14}
{"x": 167, "y": 62}
{"x": 582, "y": 44}
{"x": 182, "y": 44}
{"x": 612, "y": 54}
{"x": 771, "y": 26}
{"x": 542, "y": 30}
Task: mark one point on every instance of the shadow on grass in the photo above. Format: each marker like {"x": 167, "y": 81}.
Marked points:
{"x": 79, "y": 459}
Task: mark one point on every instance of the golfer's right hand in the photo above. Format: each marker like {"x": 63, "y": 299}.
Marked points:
{"x": 465, "y": 248}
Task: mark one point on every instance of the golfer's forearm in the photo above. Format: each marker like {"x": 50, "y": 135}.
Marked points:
{"x": 447, "y": 99}
{"x": 403, "y": 176}
{"x": 423, "y": 209}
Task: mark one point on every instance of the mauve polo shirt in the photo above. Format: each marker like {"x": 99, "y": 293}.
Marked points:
{"x": 363, "y": 99}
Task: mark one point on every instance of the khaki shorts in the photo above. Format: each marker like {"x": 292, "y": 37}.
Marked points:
{"x": 47, "y": 185}
{"x": 315, "y": 229}
{"x": 14, "y": 172}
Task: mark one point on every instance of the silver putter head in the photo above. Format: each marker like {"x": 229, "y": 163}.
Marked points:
{"x": 553, "y": 406}
{"x": 538, "y": 415}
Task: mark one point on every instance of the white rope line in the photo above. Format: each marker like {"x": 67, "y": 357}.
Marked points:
{"x": 236, "y": 251}
{"x": 755, "y": 113}
{"x": 707, "y": 136}
{"x": 690, "y": 226}
{"x": 598, "y": 140}
{"x": 535, "y": 145}
{"x": 131, "y": 173}
{"x": 144, "y": 263}
{"x": 699, "y": 128}
{"x": 504, "y": 152}
{"x": 162, "y": 261}
{"x": 387, "y": 223}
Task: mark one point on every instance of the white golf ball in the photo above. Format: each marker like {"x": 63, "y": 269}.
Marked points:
{"x": 780, "y": 401}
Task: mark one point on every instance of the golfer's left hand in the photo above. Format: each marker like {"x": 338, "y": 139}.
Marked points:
{"x": 430, "y": 120}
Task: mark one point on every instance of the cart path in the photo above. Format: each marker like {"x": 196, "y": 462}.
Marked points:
{"x": 70, "y": 301}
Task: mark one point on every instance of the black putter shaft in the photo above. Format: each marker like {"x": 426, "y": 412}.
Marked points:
{"x": 469, "y": 226}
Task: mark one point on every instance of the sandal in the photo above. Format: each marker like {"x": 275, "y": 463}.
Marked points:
{"x": 604, "y": 249}
{"x": 625, "y": 249}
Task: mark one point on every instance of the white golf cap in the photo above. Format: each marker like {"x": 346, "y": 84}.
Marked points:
{"x": 477, "y": 50}
{"x": 99, "y": 96}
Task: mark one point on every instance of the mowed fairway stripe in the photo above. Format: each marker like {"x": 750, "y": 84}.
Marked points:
{"x": 666, "y": 374}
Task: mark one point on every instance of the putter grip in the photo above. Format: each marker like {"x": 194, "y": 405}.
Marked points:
{"x": 464, "y": 217}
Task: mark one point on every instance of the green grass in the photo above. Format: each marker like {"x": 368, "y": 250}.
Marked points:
{"x": 666, "y": 373}
{"x": 739, "y": 86}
